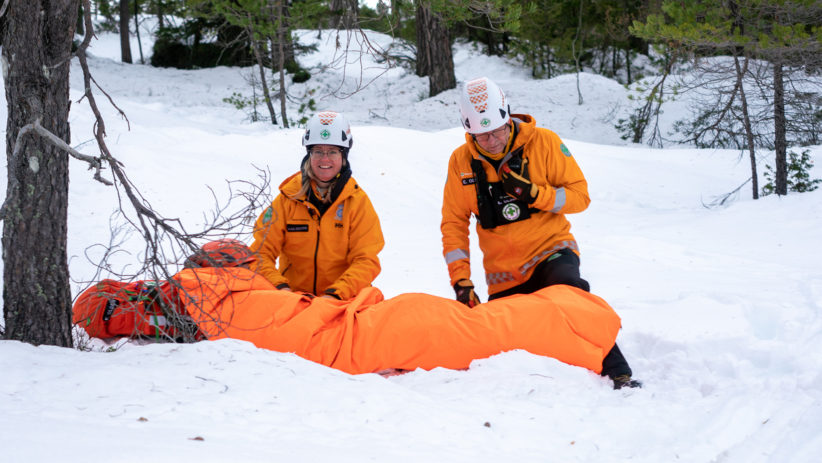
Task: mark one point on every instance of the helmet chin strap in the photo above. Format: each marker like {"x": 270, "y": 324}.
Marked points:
{"x": 323, "y": 186}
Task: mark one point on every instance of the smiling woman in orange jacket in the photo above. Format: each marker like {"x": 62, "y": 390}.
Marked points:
{"x": 322, "y": 226}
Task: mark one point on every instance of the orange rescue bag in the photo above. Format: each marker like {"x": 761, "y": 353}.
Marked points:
{"x": 369, "y": 334}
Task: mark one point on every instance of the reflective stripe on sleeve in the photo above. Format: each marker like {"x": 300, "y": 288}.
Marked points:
{"x": 559, "y": 200}
{"x": 455, "y": 255}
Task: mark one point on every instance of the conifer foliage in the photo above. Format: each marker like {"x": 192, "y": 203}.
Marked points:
{"x": 784, "y": 35}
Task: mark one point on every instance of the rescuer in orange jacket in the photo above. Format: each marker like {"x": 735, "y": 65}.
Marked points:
{"x": 519, "y": 181}
{"x": 322, "y": 226}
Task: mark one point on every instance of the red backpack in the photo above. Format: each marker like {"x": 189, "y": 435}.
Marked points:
{"x": 143, "y": 308}
{"x": 112, "y": 308}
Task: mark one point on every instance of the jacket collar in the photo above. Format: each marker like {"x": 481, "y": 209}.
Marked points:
{"x": 291, "y": 186}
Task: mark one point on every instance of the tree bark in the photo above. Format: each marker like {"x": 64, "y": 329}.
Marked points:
{"x": 344, "y": 14}
{"x": 434, "y": 58}
{"x": 280, "y": 16}
{"x": 36, "y": 61}
{"x": 395, "y": 17}
{"x": 158, "y": 5}
{"x": 780, "y": 143}
{"x": 258, "y": 55}
{"x": 79, "y": 26}
{"x": 125, "y": 41}
{"x": 137, "y": 29}
{"x": 283, "y": 115}
{"x": 577, "y": 55}
{"x": 746, "y": 121}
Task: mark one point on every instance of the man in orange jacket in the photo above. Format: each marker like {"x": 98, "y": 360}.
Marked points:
{"x": 519, "y": 181}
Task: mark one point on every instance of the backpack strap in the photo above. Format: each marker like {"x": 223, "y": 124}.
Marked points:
{"x": 485, "y": 205}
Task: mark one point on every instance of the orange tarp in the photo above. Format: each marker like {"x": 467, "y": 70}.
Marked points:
{"x": 369, "y": 334}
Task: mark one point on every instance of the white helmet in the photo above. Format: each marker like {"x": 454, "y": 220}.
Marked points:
{"x": 328, "y": 128}
{"x": 482, "y": 106}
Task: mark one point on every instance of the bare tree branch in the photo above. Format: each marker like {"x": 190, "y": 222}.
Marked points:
{"x": 35, "y": 127}
{"x": 93, "y": 162}
{"x": 167, "y": 242}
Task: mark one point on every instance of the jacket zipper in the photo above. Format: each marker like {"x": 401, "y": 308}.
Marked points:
{"x": 316, "y": 252}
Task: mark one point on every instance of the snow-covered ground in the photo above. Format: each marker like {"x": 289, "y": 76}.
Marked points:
{"x": 720, "y": 307}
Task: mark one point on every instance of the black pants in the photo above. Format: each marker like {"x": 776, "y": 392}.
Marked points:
{"x": 562, "y": 268}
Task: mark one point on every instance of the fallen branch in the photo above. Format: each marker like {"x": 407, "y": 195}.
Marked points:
{"x": 720, "y": 200}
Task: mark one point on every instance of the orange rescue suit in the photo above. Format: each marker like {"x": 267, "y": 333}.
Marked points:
{"x": 510, "y": 252}
{"x": 336, "y": 251}
{"x": 368, "y": 334}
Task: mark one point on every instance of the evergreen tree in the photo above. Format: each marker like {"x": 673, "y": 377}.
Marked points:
{"x": 434, "y": 19}
{"x": 787, "y": 34}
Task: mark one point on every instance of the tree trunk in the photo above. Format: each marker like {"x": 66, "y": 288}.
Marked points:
{"x": 434, "y": 58}
{"x": 628, "y": 66}
{"x": 36, "y": 51}
{"x": 158, "y": 5}
{"x": 137, "y": 29}
{"x": 395, "y": 17}
{"x": 258, "y": 55}
{"x": 780, "y": 143}
{"x": 125, "y": 42}
{"x": 282, "y": 82}
{"x": 344, "y": 14}
{"x": 577, "y": 55}
{"x": 79, "y": 27}
{"x": 280, "y": 16}
{"x": 746, "y": 121}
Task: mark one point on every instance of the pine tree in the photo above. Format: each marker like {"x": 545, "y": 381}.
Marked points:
{"x": 787, "y": 34}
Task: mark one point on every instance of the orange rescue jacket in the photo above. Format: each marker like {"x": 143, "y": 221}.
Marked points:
{"x": 368, "y": 334}
{"x": 510, "y": 252}
{"x": 333, "y": 253}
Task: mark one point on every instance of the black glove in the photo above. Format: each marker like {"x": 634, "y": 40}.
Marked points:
{"x": 332, "y": 292}
{"x": 517, "y": 185}
{"x": 465, "y": 293}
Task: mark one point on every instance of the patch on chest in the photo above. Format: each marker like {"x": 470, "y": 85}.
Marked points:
{"x": 296, "y": 227}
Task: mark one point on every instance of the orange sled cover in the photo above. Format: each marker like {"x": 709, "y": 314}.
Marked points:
{"x": 369, "y": 334}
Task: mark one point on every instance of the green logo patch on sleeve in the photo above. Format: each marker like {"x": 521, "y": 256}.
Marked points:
{"x": 269, "y": 213}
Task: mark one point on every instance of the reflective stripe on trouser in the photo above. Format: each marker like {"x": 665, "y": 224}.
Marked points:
{"x": 503, "y": 277}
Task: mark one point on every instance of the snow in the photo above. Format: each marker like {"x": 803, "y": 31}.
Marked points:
{"x": 720, "y": 307}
